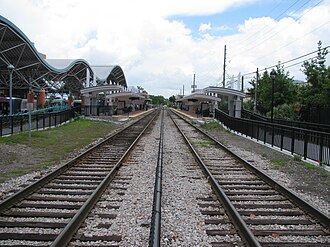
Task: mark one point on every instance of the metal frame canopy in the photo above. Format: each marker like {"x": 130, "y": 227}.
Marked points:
{"x": 109, "y": 74}
{"x": 33, "y": 72}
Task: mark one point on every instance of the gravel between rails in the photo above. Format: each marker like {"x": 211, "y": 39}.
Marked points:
{"x": 134, "y": 215}
{"x": 182, "y": 222}
{"x": 306, "y": 183}
{"x": 183, "y": 183}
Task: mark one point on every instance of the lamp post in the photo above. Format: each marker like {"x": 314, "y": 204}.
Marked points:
{"x": 10, "y": 69}
{"x": 272, "y": 76}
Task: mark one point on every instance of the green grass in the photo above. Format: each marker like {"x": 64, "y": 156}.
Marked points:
{"x": 212, "y": 125}
{"x": 278, "y": 163}
{"x": 52, "y": 145}
{"x": 309, "y": 166}
{"x": 203, "y": 143}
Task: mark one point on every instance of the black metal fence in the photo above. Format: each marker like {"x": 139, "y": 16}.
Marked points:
{"x": 307, "y": 143}
{"x": 319, "y": 114}
{"x": 298, "y": 124}
{"x": 18, "y": 123}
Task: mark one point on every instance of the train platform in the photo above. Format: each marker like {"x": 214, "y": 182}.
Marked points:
{"x": 120, "y": 118}
{"x": 193, "y": 116}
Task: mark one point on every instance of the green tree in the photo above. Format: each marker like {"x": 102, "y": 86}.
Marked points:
{"x": 317, "y": 91}
{"x": 172, "y": 99}
{"x": 285, "y": 91}
{"x": 158, "y": 100}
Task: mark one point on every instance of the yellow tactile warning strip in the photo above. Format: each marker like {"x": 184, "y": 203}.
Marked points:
{"x": 140, "y": 113}
{"x": 180, "y": 112}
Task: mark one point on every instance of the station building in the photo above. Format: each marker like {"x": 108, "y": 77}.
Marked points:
{"x": 26, "y": 75}
{"x": 203, "y": 102}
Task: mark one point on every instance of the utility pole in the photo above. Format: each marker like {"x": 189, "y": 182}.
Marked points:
{"x": 255, "y": 91}
{"x": 242, "y": 89}
{"x": 183, "y": 90}
{"x": 224, "y": 69}
{"x": 193, "y": 86}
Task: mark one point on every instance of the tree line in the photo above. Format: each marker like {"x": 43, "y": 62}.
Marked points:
{"x": 292, "y": 99}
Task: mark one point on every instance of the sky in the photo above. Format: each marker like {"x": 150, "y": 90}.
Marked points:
{"x": 161, "y": 44}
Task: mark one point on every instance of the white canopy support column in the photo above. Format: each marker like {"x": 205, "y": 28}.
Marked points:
{"x": 94, "y": 104}
{"x": 231, "y": 106}
{"x": 87, "y": 77}
{"x": 238, "y": 107}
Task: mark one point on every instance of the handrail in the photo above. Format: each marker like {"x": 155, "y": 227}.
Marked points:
{"x": 308, "y": 125}
{"x": 307, "y": 143}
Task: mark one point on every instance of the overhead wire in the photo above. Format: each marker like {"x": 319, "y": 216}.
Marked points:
{"x": 289, "y": 61}
{"x": 259, "y": 30}
{"x": 272, "y": 28}
{"x": 275, "y": 33}
{"x": 288, "y": 44}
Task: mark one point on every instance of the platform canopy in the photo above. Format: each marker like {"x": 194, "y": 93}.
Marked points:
{"x": 109, "y": 74}
{"x": 33, "y": 72}
{"x": 125, "y": 96}
{"x": 199, "y": 96}
{"x": 223, "y": 91}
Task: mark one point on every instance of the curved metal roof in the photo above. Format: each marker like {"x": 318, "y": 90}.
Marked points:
{"x": 107, "y": 73}
{"x": 34, "y": 72}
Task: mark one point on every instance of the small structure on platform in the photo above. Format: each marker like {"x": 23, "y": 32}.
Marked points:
{"x": 111, "y": 95}
{"x": 203, "y": 101}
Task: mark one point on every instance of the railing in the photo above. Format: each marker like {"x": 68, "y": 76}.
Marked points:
{"x": 311, "y": 144}
{"x": 20, "y": 122}
{"x": 303, "y": 125}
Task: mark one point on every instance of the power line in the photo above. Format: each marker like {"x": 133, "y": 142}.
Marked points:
{"x": 291, "y": 60}
{"x": 259, "y": 30}
{"x": 278, "y": 49}
{"x": 262, "y": 41}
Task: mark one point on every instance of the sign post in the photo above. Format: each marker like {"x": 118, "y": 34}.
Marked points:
{"x": 30, "y": 107}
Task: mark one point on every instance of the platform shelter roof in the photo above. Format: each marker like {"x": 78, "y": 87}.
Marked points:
{"x": 199, "y": 95}
{"x": 33, "y": 72}
{"x": 127, "y": 96}
{"x": 224, "y": 91}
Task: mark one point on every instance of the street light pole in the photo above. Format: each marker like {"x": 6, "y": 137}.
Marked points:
{"x": 10, "y": 69}
{"x": 272, "y": 76}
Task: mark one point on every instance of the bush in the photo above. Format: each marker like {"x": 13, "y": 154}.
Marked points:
{"x": 286, "y": 112}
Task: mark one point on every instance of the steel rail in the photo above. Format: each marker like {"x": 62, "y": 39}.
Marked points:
{"x": 71, "y": 228}
{"x": 294, "y": 198}
{"x": 244, "y": 231}
{"x": 10, "y": 201}
{"x": 155, "y": 230}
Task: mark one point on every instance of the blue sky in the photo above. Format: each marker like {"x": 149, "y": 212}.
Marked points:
{"x": 161, "y": 44}
{"x": 236, "y": 15}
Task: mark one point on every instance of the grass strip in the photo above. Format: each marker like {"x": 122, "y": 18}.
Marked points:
{"x": 48, "y": 146}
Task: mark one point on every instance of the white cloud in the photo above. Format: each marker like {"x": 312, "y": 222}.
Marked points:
{"x": 204, "y": 27}
{"x": 159, "y": 54}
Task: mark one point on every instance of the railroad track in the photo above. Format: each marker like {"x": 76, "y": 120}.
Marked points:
{"x": 50, "y": 211}
{"x": 263, "y": 212}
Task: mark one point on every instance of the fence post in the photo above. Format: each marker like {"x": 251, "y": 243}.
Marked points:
{"x": 37, "y": 121}
{"x": 321, "y": 149}
{"x": 43, "y": 120}
{"x": 252, "y": 127}
{"x": 305, "y": 144}
{"x": 21, "y": 123}
{"x": 273, "y": 134}
{"x": 1, "y": 126}
{"x": 12, "y": 124}
{"x": 257, "y": 131}
{"x": 292, "y": 142}
{"x": 265, "y": 133}
{"x": 281, "y": 129}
